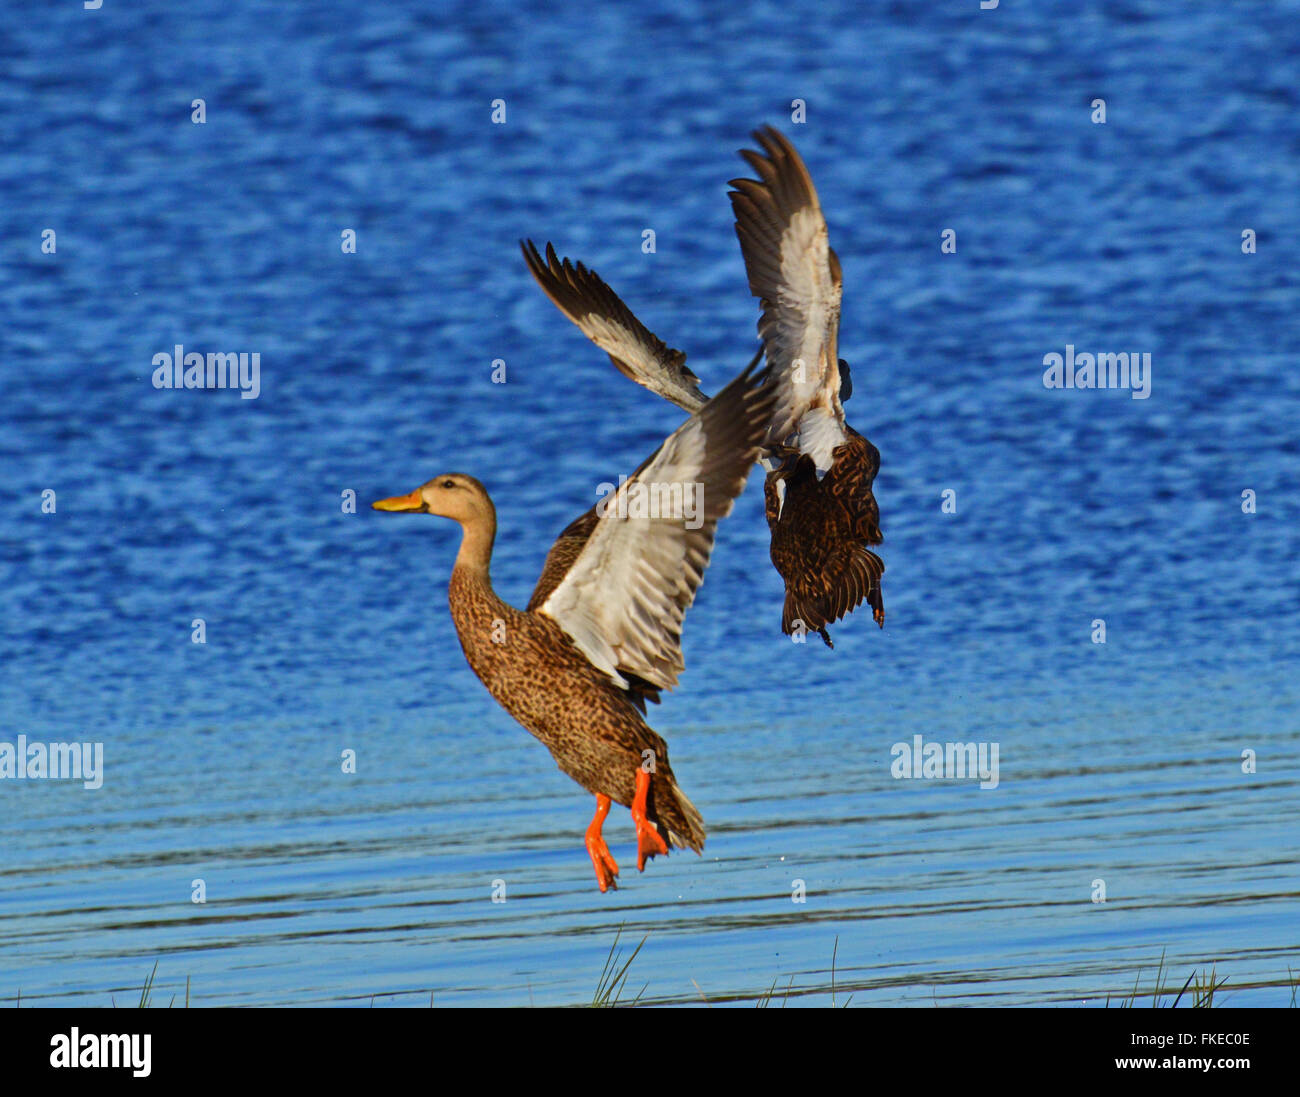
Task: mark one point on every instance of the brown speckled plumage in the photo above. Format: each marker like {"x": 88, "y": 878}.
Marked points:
{"x": 819, "y": 536}
{"x": 601, "y": 634}
{"x": 592, "y": 728}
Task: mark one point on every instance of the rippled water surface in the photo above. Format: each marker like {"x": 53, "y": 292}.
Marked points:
{"x": 1119, "y": 762}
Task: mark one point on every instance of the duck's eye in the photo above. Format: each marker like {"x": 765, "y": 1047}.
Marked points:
{"x": 449, "y": 483}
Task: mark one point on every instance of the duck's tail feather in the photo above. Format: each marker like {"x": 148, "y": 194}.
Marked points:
{"x": 677, "y": 819}
{"x": 849, "y": 578}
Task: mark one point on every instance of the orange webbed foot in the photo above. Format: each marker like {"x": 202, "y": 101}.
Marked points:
{"x": 605, "y": 865}
{"x": 649, "y": 843}
{"x": 601, "y": 859}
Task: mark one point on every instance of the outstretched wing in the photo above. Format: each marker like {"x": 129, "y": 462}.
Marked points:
{"x": 563, "y": 555}
{"x": 603, "y": 318}
{"x": 796, "y": 276}
{"x": 623, "y": 599}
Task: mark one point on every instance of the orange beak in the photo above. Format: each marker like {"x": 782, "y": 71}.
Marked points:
{"x": 412, "y": 502}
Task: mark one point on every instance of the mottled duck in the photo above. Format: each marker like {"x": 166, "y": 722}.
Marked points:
{"x": 601, "y": 634}
{"x": 821, "y": 508}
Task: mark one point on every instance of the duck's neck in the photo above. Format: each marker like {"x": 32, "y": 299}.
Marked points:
{"x": 475, "y": 555}
{"x": 475, "y": 606}
{"x": 471, "y": 583}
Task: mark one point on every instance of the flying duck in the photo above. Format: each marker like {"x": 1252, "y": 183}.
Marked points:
{"x": 821, "y": 509}
{"x": 601, "y": 634}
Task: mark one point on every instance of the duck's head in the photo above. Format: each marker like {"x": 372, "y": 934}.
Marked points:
{"x": 452, "y": 495}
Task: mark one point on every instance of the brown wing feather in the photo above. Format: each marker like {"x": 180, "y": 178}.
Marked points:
{"x": 796, "y": 276}
{"x": 602, "y": 317}
{"x": 624, "y": 599}
{"x": 567, "y": 548}
{"x": 820, "y": 532}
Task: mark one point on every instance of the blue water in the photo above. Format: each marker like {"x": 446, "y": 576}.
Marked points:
{"x": 328, "y": 631}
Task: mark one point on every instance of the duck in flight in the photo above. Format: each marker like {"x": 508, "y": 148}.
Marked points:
{"x": 818, "y": 495}
{"x": 601, "y": 634}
